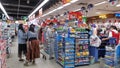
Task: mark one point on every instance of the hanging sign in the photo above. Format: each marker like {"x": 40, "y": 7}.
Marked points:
{"x": 113, "y": 2}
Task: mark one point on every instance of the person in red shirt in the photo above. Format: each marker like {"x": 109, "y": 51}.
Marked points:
{"x": 119, "y": 36}
{"x": 113, "y": 33}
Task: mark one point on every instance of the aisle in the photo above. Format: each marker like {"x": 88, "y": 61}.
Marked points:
{"x": 13, "y": 62}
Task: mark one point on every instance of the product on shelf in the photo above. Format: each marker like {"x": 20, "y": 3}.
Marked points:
{"x": 2, "y": 54}
{"x": 65, "y": 53}
{"x": 82, "y": 43}
{"x": 111, "y": 59}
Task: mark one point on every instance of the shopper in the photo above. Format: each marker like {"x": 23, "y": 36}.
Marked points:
{"x": 101, "y": 48}
{"x": 40, "y": 34}
{"x": 113, "y": 33}
{"x": 22, "y": 47}
{"x": 50, "y": 39}
{"x": 33, "y": 46}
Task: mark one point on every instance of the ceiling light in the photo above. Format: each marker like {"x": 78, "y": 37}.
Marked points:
{"x": 2, "y": 8}
{"x": 60, "y": 7}
{"x": 101, "y": 3}
{"x": 73, "y": 1}
{"x": 77, "y": 10}
{"x": 118, "y": 5}
{"x": 42, "y": 4}
{"x": 66, "y": 4}
{"x": 28, "y": 1}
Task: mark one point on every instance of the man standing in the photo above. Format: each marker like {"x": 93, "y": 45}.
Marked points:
{"x": 50, "y": 40}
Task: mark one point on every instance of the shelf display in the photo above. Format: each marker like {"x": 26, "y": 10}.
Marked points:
{"x": 2, "y": 54}
{"x": 82, "y": 44}
{"x": 74, "y": 48}
{"x": 66, "y": 55}
{"x": 110, "y": 61}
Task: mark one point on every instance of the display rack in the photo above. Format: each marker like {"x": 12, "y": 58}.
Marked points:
{"x": 82, "y": 44}
{"x": 110, "y": 54}
{"x": 6, "y": 35}
{"x": 65, "y": 49}
{"x": 2, "y": 54}
{"x": 66, "y": 53}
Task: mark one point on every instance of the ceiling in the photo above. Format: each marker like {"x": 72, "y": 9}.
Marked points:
{"x": 95, "y": 11}
{"x": 19, "y": 8}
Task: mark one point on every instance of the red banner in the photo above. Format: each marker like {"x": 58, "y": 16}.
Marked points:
{"x": 78, "y": 15}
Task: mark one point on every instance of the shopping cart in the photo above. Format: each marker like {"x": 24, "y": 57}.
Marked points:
{"x": 43, "y": 52}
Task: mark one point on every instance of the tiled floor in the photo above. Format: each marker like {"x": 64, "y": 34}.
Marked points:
{"x": 13, "y": 62}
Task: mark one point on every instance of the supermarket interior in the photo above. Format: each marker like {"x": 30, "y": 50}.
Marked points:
{"x": 60, "y": 33}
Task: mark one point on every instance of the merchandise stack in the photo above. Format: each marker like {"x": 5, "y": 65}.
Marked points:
{"x": 82, "y": 44}
{"x": 7, "y": 35}
{"x": 12, "y": 29}
{"x": 66, "y": 49}
{"x": 2, "y": 54}
{"x": 65, "y": 53}
{"x": 110, "y": 61}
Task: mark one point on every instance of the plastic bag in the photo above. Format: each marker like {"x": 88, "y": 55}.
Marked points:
{"x": 95, "y": 41}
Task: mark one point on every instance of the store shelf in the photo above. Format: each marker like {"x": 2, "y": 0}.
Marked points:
{"x": 80, "y": 64}
{"x": 82, "y": 56}
{"x": 60, "y": 63}
{"x": 82, "y": 44}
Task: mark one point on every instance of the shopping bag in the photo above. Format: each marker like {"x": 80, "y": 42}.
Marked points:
{"x": 95, "y": 41}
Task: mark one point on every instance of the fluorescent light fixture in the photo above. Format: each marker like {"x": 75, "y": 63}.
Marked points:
{"x": 77, "y": 9}
{"x": 73, "y": 1}
{"x": 118, "y": 5}
{"x": 60, "y": 7}
{"x": 2, "y": 8}
{"x": 42, "y": 4}
{"x": 101, "y": 3}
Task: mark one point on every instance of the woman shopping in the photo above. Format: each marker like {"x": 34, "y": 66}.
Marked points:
{"x": 22, "y": 47}
{"x": 33, "y": 51}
